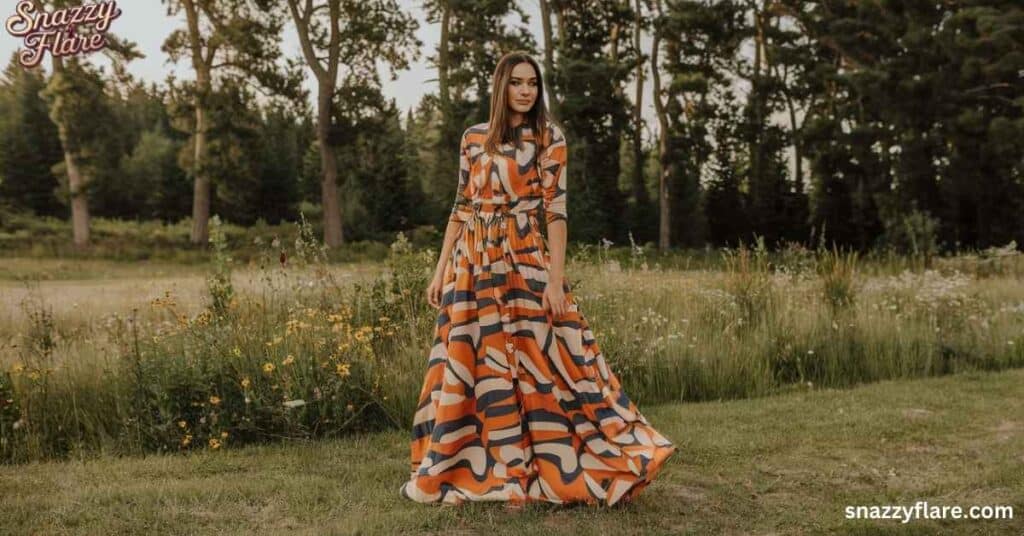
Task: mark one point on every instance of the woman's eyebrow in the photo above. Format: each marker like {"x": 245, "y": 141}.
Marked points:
{"x": 518, "y": 78}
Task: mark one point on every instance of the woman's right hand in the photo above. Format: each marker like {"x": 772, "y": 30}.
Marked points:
{"x": 434, "y": 290}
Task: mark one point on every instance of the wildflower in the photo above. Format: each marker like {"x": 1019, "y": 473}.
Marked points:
{"x": 223, "y": 435}
{"x": 268, "y": 367}
{"x": 350, "y": 407}
{"x": 294, "y": 326}
{"x": 343, "y": 369}
{"x": 186, "y": 440}
{"x": 34, "y": 375}
{"x": 17, "y": 368}
{"x": 237, "y": 352}
{"x": 215, "y": 400}
{"x": 182, "y": 424}
{"x": 288, "y": 360}
{"x": 246, "y": 383}
{"x": 214, "y": 443}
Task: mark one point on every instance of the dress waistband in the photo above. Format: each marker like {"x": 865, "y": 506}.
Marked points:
{"x": 496, "y": 206}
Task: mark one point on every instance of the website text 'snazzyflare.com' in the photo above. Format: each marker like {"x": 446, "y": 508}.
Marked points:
{"x": 923, "y": 510}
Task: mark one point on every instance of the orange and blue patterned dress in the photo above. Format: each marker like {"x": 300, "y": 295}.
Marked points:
{"x": 518, "y": 405}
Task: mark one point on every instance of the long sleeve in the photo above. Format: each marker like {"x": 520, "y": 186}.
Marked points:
{"x": 461, "y": 210}
{"x": 553, "y": 176}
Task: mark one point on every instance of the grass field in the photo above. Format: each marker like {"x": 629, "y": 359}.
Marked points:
{"x": 787, "y": 464}
{"x": 168, "y": 397}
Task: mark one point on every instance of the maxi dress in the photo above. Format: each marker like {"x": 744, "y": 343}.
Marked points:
{"x": 517, "y": 404}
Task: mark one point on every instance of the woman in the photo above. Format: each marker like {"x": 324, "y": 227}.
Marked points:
{"x": 518, "y": 403}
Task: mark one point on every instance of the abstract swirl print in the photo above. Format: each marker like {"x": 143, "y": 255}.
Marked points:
{"x": 518, "y": 405}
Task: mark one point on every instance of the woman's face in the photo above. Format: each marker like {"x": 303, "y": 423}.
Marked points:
{"x": 522, "y": 88}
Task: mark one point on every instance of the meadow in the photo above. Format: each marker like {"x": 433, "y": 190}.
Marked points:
{"x": 104, "y": 357}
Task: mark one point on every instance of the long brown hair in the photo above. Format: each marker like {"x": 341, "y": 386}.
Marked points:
{"x": 500, "y": 129}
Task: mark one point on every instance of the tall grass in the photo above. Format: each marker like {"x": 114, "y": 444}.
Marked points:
{"x": 305, "y": 357}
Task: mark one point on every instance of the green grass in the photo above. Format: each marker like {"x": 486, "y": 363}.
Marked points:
{"x": 787, "y": 464}
{"x": 139, "y": 362}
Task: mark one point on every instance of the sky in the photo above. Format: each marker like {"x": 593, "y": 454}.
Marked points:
{"x": 146, "y": 23}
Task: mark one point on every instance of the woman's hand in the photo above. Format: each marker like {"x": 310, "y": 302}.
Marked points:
{"x": 554, "y": 299}
{"x": 434, "y": 291}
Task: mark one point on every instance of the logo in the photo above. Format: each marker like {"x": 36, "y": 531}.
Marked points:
{"x": 56, "y": 31}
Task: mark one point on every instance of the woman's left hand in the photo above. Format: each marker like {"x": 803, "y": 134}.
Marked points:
{"x": 554, "y": 299}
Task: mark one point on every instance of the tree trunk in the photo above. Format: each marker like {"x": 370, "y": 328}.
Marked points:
{"x": 333, "y": 236}
{"x": 664, "y": 207}
{"x": 327, "y": 76}
{"x": 639, "y": 188}
{"x": 758, "y": 105}
{"x": 201, "y": 186}
{"x": 549, "y": 57}
{"x": 442, "y": 60}
{"x": 76, "y": 179}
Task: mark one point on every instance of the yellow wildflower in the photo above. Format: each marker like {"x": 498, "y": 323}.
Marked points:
{"x": 268, "y": 367}
{"x": 293, "y": 326}
{"x": 246, "y": 383}
{"x": 223, "y": 435}
{"x": 17, "y": 368}
{"x": 182, "y": 424}
{"x": 288, "y": 360}
{"x": 214, "y": 443}
{"x": 215, "y": 400}
{"x": 237, "y": 351}
{"x": 186, "y": 440}
{"x": 343, "y": 369}
{"x": 33, "y": 375}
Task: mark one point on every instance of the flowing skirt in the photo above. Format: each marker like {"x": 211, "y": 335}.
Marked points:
{"x": 516, "y": 405}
